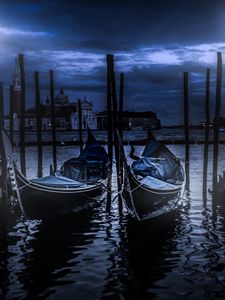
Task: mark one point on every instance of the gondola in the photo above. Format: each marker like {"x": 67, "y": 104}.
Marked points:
{"x": 154, "y": 182}
{"x": 74, "y": 187}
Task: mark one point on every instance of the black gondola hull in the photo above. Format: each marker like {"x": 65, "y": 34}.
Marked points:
{"x": 147, "y": 203}
{"x": 58, "y": 193}
{"x": 38, "y": 201}
{"x": 153, "y": 184}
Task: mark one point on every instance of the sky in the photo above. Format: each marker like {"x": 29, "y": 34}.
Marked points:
{"x": 153, "y": 43}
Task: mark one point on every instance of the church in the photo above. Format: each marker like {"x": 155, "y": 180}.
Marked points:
{"x": 66, "y": 111}
{"x": 66, "y": 114}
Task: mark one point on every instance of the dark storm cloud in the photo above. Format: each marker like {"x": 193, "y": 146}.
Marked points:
{"x": 154, "y": 42}
{"x": 149, "y": 75}
{"x": 122, "y": 24}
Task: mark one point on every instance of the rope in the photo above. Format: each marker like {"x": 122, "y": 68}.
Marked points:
{"x": 25, "y": 185}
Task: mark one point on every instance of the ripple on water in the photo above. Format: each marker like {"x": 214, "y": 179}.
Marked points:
{"x": 95, "y": 255}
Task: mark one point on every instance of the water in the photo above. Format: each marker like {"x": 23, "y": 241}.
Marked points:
{"x": 95, "y": 255}
{"x": 165, "y": 134}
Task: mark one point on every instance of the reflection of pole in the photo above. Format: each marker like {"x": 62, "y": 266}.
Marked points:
{"x": 216, "y": 118}
{"x": 186, "y": 127}
{"x": 38, "y": 122}
{"x": 52, "y": 96}
{"x": 206, "y": 143}
{"x": 22, "y": 116}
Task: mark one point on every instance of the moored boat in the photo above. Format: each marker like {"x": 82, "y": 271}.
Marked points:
{"x": 154, "y": 182}
{"x": 74, "y": 187}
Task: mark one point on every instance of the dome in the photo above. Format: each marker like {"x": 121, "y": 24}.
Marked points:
{"x": 61, "y": 99}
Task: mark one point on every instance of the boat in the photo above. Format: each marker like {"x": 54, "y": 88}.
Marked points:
{"x": 154, "y": 182}
{"x": 74, "y": 187}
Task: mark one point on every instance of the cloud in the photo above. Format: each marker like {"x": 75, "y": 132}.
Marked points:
{"x": 19, "y": 32}
{"x": 153, "y": 42}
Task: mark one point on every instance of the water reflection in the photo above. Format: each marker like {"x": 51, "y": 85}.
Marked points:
{"x": 45, "y": 254}
{"x": 139, "y": 257}
{"x": 99, "y": 256}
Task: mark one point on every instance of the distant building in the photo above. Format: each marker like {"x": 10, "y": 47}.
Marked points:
{"x": 133, "y": 120}
{"x": 66, "y": 112}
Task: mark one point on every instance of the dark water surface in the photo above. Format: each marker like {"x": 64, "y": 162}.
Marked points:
{"x": 93, "y": 255}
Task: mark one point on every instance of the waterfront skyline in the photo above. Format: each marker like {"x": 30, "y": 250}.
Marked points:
{"x": 153, "y": 42}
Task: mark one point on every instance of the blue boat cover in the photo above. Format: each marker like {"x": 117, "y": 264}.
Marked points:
{"x": 160, "y": 168}
{"x": 89, "y": 166}
{"x": 158, "y": 162}
{"x": 57, "y": 181}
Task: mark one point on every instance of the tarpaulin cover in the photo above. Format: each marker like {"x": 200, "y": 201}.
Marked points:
{"x": 57, "y": 181}
{"x": 90, "y": 165}
{"x": 160, "y": 168}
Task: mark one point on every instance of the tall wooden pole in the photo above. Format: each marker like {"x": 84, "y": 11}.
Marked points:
{"x": 121, "y": 128}
{"x": 206, "y": 142}
{"x": 121, "y": 105}
{"x": 52, "y": 97}
{"x": 3, "y": 158}
{"x": 22, "y": 115}
{"x": 1, "y": 107}
{"x": 115, "y": 127}
{"x": 38, "y": 123}
{"x": 110, "y": 138}
{"x": 217, "y": 118}
{"x": 11, "y": 114}
{"x": 80, "y": 125}
{"x": 186, "y": 126}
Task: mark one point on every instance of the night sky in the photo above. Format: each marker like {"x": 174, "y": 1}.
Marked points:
{"x": 154, "y": 42}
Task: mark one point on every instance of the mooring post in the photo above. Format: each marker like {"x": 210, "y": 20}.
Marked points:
{"x": 186, "y": 127}
{"x": 121, "y": 105}
{"x": 11, "y": 114}
{"x": 22, "y": 115}
{"x": 38, "y": 123}
{"x": 80, "y": 125}
{"x": 206, "y": 142}
{"x": 110, "y": 139}
{"x": 121, "y": 126}
{"x": 52, "y": 97}
{"x": 115, "y": 127}
{"x": 216, "y": 123}
{"x": 3, "y": 158}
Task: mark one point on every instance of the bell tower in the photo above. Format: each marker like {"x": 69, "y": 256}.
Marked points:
{"x": 16, "y": 83}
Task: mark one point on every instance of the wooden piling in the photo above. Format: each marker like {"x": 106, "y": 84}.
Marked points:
{"x": 206, "y": 142}
{"x": 80, "y": 125}
{"x": 217, "y": 118}
{"x": 11, "y": 114}
{"x": 1, "y": 107}
{"x": 3, "y": 158}
{"x": 38, "y": 123}
{"x": 186, "y": 127}
{"x": 121, "y": 105}
{"x": 110, "y": 138}
{"x": 52, "y": 97}
{"x": 22, "y": 115}
{"x": 121, "y": 101}
{"x": 115, "y": 127}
